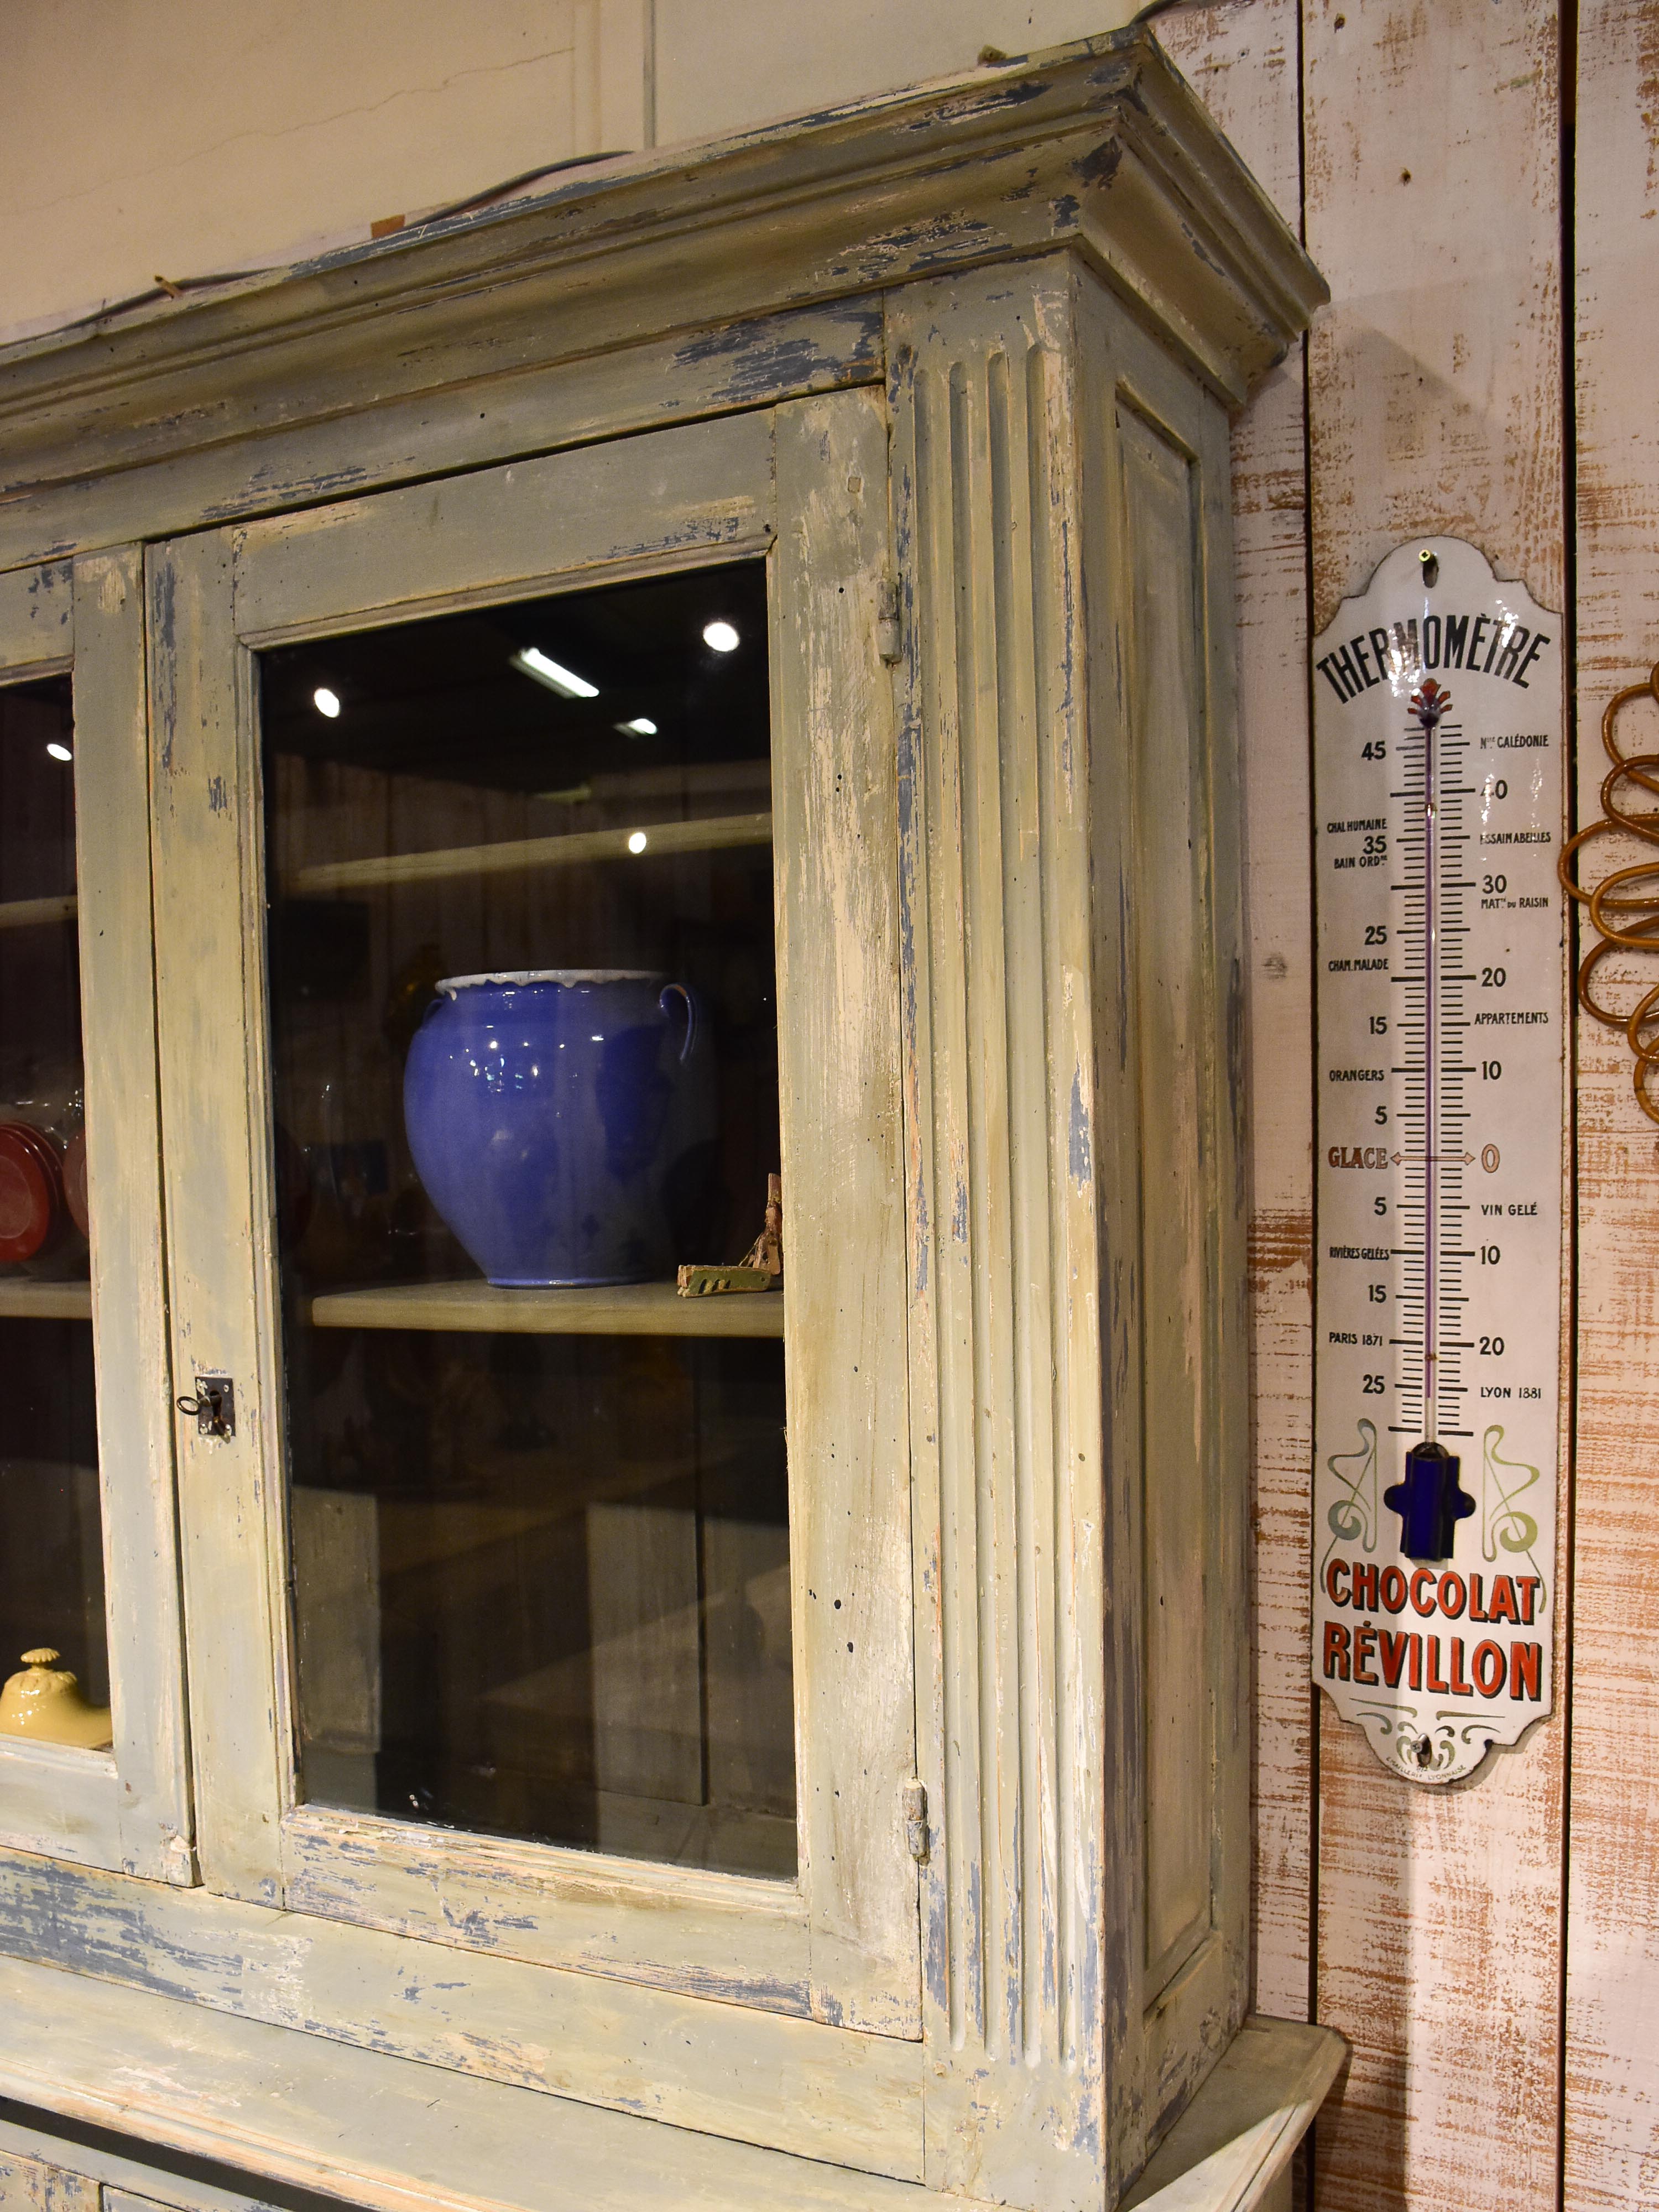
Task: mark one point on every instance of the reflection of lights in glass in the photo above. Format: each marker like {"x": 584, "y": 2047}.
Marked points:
{"x": 720, "y": 636}
{"x": 325, "y": 701}
{"x": 638, "y": 728}
{"x": 60, "y": 752}
{"x": 636, "y": 842}
{"x": 534, "y": 662}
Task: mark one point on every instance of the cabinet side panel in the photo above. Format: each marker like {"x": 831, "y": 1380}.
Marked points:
{"x": 1004, "y": 1281}
{"x": 1168, "y": 1021}
{"x": 1172, "y": 990}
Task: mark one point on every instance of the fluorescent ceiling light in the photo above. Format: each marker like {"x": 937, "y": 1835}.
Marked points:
{"x": 325, "y": 701}
{"x": 638, "y": 728}
{"x": 720, "y": 636}
{"x": 60, "y": 752}
{"x": 568, "y": 685}
{"x": 637, "y": 841}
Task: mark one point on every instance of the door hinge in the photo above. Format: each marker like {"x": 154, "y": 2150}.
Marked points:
{"x": 915, "y": 1820}
{"x": 889, "y": 643}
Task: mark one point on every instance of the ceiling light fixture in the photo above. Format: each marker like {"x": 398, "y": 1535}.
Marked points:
{"x": 533, "y": 662}
{"x": 636, "y": 842}
{"x": 720, "y": 636}
{"x": 60, "y": 752}
{"x": 638, "y": 728}
{"x": 326, "y": 702}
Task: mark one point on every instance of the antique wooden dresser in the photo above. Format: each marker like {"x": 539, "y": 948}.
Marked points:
{"x": 513, "y": 739}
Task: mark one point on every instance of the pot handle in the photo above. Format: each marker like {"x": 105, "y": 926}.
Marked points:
{"x": 692, "y": 1024}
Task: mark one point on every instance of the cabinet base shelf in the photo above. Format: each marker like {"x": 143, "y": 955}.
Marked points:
{"x": 283, "y": 2105}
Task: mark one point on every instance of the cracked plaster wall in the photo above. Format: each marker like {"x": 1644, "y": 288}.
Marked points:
{"x": 141, "y": 139}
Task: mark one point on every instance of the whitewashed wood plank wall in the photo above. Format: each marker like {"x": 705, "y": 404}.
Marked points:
{"x": 1612, "y": 2086}
{"x": 1491, "y": 1951}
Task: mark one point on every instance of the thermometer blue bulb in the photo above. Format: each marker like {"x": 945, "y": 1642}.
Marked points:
{"x": 1429, "y": 1502}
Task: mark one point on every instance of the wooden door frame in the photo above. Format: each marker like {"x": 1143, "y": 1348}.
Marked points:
{"x": 128, "y": 1809}
{"x": 842, "y": 1943}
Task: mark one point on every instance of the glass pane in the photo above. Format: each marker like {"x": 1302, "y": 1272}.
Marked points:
{"x": 52, "y": 1562}
{"x": 525, "y": 1052}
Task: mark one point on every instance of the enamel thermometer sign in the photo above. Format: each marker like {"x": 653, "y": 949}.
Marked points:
{"x": 1437, "y": 728}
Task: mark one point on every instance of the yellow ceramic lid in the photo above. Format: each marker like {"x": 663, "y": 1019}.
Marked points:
{"x": 44, "y": 1702}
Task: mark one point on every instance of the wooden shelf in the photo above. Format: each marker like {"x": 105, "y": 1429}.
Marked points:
{"x": 716, "y": 833}
{"x": 29, "y": 914}
{"x": 28, "y": 1297}
{"x": 622, "y": 1309}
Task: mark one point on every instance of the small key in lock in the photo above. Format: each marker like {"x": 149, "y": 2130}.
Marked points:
{"x": 213, "y": 1408}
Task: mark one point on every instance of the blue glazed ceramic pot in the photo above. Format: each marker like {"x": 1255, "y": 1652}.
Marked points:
{"x": 541, "y": 1113}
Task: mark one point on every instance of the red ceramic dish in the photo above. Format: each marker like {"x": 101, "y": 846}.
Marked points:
{"x": 30, "y": 1192}
{"x": 45, "y": 1149}
{"x": 75, "y": 1179}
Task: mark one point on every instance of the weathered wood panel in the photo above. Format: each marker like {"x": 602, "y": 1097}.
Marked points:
{"x": 835, "y": 874}
{"x": 132, "y": 1810}
{"x": 209, "y": 914}
{"x": 123, "y": 1182}
{"x": 737, "y": 364}
{"x": 700, "y": 493}
{"x": 1612, "y": 2118}
{"x": 32, "y": 2185}
{"x": 1005, "y": 1322}
{"x": 728, "y": 2070}
{"x": 36, "y": 617}
{"x": 358, "y": 2125}
{"x": 1243, "y": 59}
{"x": 1042, "y": 437}
{"x": 1168, "y": 1057}
{"x": 1435, "y": 402}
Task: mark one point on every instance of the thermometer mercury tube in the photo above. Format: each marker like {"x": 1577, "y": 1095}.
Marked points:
{"x": 1429, "y": 1501}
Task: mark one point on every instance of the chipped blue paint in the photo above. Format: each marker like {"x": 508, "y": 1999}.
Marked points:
{"x": 973, "y": 106}
{"x": 937, "y": 1960}
{"x": 972, "y": 1959}
{"x": 165, "y": 660}
{"x": 772, "y": 354}
{"x": 940, "y": 242}
{"x": 1079, "y": 1150}
{"x": 271, "y": 486}
{"x": 1101, "y": 166}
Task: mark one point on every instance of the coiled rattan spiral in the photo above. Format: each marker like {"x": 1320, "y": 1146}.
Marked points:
{"x": 1624, "y": 907}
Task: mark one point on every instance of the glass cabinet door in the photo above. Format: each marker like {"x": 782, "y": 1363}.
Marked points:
{"x": 523, "y": 1017}
{"x": 91, "y": 1740}
{"x": 534, "y": 865}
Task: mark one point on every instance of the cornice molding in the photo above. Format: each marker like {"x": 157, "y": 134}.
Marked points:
{"x": 1100, "y": 147}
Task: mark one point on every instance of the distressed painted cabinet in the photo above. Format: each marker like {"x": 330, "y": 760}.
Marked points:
{"x": 578, "y": 1744}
